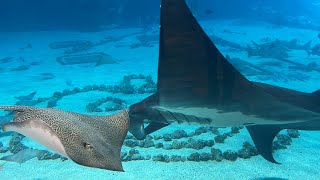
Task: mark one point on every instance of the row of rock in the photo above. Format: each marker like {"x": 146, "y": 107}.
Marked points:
{"x": 126, "y": 87}
{"x": 246, "y": 152}
{"x": 117, "y": 104}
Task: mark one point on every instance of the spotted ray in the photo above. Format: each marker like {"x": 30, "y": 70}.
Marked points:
{"x": 93, "y": 141}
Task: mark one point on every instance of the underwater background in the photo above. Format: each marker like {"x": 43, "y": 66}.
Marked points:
{"x": 97, "y": 57}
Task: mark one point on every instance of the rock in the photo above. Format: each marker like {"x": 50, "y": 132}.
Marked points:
{"x": 252, "y": 149}
{"x": 158, "y": 145}
{"x": 209, "y": 143}
{"x": 66, "y": 92}
{"x": 235, "y": 130}
{"x": 131, "y": 143}
{"x": 205, "y": 156}
{"x": 277, "y": 145}
{"x": 214, "y": 130}
{"x": 216, "y": 154}
{"x": 161, "y": 158}
{"x": 57, "y": 95}
{"x": 157, "y": 137}
{"x": 176, "y": 145}
{"x": 244, "y": 153}
{"x": 133, "y": 151}
{"x": 148, "y": 137}
{"x": 136, "y": 157}
{"x": 293, "y": 133}
{"x": 148, "y": 157}
{"x": 201, "y": 130}
{"x": 178, "y": 134}
{"x": 194, "y": 157}
{"x": 194, "y": 144}
{"x": 220, "y": 138}
{"x": 167, "y": 137}
{"x": 229, "y": 155}
{"x": 284, "y": 139}
{"x": 175, "y": 158}
{"x": 148, "y": 144}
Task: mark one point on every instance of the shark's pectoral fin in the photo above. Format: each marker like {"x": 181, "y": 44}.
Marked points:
{"x": 263, "y": 136}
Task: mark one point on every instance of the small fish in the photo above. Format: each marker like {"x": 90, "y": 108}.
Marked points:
{"x": 6, "y": 59}
{"x": 24, "y": 155}
{"x": 208, "y": 12}
{"x": 27, "y": 97}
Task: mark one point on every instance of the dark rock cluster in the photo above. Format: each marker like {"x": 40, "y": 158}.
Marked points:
{"x": 117, "y": 104}
{"x": 15, "y": 144}
{"x": 126, "y": 86}
{"x": 247, "y": 151}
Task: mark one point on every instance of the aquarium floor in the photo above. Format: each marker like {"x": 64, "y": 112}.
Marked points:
{"x": 300, "y": 160}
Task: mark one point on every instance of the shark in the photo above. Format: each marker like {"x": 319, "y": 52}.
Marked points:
{"x": 197, "y": 85}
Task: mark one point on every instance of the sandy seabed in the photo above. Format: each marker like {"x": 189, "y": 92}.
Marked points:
{"x": 299, "y": 161}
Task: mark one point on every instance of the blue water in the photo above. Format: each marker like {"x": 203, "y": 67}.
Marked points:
{"x": 34, "y": 36}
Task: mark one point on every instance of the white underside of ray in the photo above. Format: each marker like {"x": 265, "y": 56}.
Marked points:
{"x": 222, "y": 119}
{"x": 38, "y": 131}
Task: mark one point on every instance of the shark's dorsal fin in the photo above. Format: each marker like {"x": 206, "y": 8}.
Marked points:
{"x": 189, "y": 63}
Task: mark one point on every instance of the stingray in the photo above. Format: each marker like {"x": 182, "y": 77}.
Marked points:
{"x": 24, "y": 155}
{"x": 197, "y": 85}
{"x": 93, "y": 141}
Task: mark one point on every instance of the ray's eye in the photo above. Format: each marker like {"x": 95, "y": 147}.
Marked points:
{"x": 88, "y": 146}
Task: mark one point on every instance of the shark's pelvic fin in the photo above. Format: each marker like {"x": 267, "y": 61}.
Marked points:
{"x": 263, "y": 136}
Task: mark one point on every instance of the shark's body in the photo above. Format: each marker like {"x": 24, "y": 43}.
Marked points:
{"x": 196, "y": 84}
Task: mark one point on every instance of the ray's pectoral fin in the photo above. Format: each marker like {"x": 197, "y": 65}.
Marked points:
{"x": 263, "y": 136}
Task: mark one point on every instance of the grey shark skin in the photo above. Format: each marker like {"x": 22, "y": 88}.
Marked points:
{"x": 196, "y": 84}
{"x": 93, "y": 141}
